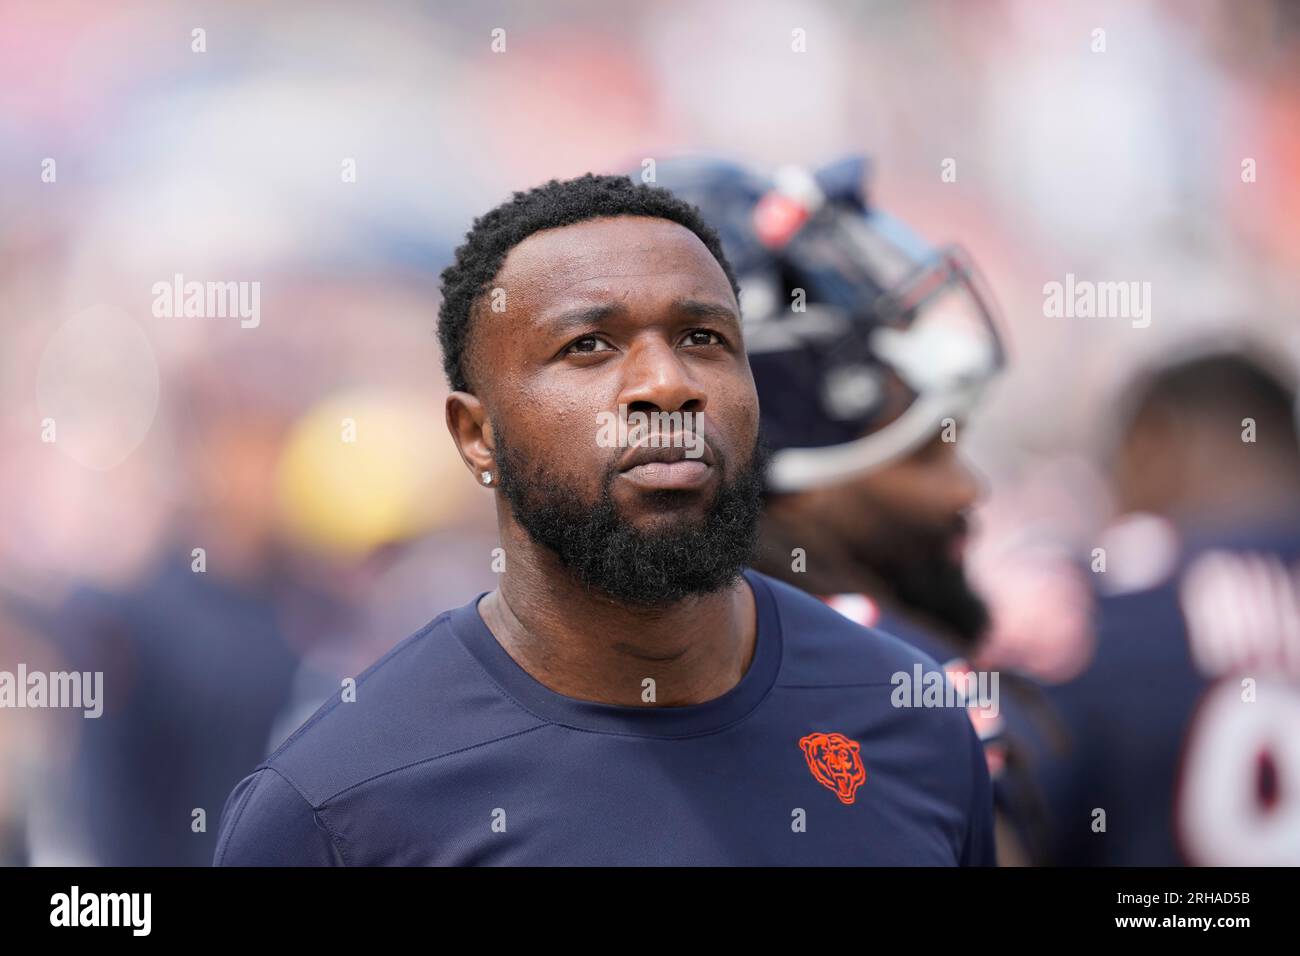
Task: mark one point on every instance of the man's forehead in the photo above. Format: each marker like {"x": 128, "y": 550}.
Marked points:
{"x": 609, "y": 249}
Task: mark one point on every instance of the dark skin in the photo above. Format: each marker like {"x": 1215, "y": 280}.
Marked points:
{"x": 623, "y": 310}
{"x": 928, "y": 488}
{"x": 1196, "y": 471}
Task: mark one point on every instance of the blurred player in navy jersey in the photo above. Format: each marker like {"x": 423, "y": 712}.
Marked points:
{"x": 868, "y": 348}
{"x": 1185, "y": 728}
{"x": 197, "y": 659}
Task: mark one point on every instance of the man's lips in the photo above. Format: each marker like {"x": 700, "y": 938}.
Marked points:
{"x": 663, "y": 475}
{"x": 667, "y": 449}
{"x": 959, "y": 538}
{"x": 667, "y": 466}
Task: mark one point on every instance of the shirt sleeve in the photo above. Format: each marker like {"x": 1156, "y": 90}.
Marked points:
{"x": 267, "y": 822}
{"x": 980, "y": 848}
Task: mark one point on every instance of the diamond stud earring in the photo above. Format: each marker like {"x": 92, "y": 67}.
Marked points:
{"x": 487, "y": 477}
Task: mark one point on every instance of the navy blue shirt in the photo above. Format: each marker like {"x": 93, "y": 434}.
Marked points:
{"x": 1014, "y": 737}
{"x": 173, "y": 735}
{"x": 1183, "y": 781}
{"x": 453, "y": 754}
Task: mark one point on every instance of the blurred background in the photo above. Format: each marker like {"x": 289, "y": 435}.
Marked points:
{"x": 336, "y": 153}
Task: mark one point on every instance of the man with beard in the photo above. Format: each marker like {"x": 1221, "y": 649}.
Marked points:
{"x": 630, "y": 693}
{"x": 868, "y": 348}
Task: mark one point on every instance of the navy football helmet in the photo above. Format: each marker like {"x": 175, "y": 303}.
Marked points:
{"x": 862, "y": 337}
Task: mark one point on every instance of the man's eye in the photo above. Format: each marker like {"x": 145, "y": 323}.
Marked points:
{"x": 587, "y": 344}
{"x": 694, "y": 337}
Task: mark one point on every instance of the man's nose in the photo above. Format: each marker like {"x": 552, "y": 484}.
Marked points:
{"x": 654, "y": 374}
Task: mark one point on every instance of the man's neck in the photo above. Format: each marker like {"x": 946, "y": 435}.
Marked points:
{"x": 581, "y": 644}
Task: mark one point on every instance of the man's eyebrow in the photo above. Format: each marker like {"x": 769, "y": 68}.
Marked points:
{"x": 706, "y": 310}
{"x": 596, "y": 314}
{"x": 590, "y": 315}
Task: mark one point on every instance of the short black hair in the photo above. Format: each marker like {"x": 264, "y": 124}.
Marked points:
{"x": 556, "y": 203}
{"x": 1219, "y": 385}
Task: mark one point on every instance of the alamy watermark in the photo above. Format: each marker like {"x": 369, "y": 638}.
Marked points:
{"x": 130, "y": 910}
{"x": 1098, "y": 300}
{"x": 208, "y": 300}
{"x": 974, "y": 690}
{"x": 81, "y": 690}
{"x": 622, "y": 429}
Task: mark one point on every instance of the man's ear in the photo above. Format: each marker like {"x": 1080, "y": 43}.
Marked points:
{"x": 471, "y": 430}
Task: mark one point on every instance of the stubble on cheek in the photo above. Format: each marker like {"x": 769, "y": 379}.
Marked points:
{"x": 562, "y": 458}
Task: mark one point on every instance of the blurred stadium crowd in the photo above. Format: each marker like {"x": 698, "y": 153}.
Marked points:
{"x": 232, "y": 163}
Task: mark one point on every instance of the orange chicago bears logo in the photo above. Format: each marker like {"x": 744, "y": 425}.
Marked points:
{"x": 836, "y": 763}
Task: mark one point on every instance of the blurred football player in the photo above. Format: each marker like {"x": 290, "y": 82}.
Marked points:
{"x": 869, "y": 347}
{"x": 1185, "y": 728}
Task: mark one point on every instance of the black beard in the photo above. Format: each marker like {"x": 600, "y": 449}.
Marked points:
{"x": 634, "y": 567}
{"x": 915, "y": 566}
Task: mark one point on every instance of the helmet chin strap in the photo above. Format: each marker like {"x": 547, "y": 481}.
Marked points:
{"x": 799, "y": 469}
